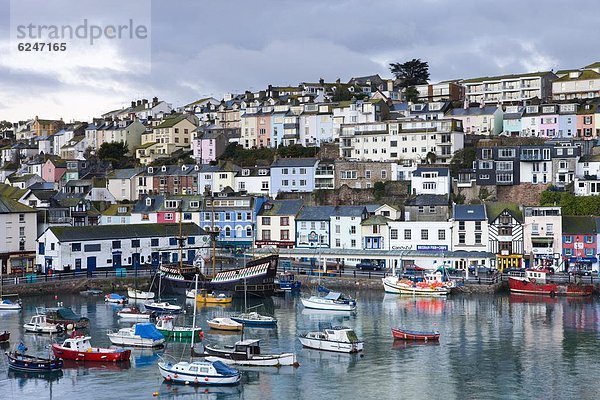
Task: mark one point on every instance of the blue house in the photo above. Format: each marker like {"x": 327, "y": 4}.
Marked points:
{"x": 233, "y": 217}
{"x": 293, "y": 175}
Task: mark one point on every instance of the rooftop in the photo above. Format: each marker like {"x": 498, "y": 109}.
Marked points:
{"x": 510, "y": 76}
{"x": 469, "y": 212}
{"x": 280, "y": 207}
{"x": 578, "y": 225}
{"x": 494, "y": 209}
{"x": 133, "y": 231}
{"x": 294, "y": 162}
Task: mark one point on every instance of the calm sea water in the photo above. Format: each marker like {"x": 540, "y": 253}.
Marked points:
{"x": 504, "y": 347}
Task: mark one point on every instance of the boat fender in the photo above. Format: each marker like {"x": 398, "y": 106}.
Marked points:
{"x": 196, "y": 380}
{"x": 532, "y": 280}
{"x": 168, "y": 377}
{"x": 175, "y": 376}
{"x": 206, "y": 379}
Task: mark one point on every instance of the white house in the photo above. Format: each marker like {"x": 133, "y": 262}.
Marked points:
{"x": 275, "y": 223}
{"x": 66, "y": 248}
{"x": 542, "y": 234}
{"x": 345, "y": 222}
{"x": 470, "y": 227}
{"x": 253, "y": 180}
{"x": 18, "y": 233}
{"x": 587, "y": 187}
{"x": 430, "y": 180}
{"x": 588, "y": 165}
{"x": 313, "y": 226}
{"x": 420, "y": 235}
{"x": 121, "y": 183}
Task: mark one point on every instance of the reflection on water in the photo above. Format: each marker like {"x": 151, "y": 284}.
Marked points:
{"x": 490, "y": 347}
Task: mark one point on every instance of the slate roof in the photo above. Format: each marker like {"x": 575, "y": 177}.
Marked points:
{"x": 589, "y": 158}
{"x": 126, "y": 173}
{"x": 113, "y": 210}
{"x": 8, "y": 206}
{"x": 281, "y": 207}
{"x": 494, "y": 210}
{"x": 315, "y": 213}
{"x": 585, "y": 75}
{"x": 156, "y": 203}
{"x": 11, "y": 192}
{"x": 376, "y": 220}
{"x": 170, "y": 122}
{"x": 442, "y": 171}
{"x": 133, "y": 231}
{"x": 349, "y": 211}
{"x": 469, "y": 212}
{"x": 578, "y": 225}
{"x": 428, "y": 200}
{"x": 458, "y": 112}
{"x": 294, "y": 162}
{"x": 511, "y": 76}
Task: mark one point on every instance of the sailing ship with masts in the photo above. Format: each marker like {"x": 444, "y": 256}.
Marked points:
{"x": 256, "y": 277}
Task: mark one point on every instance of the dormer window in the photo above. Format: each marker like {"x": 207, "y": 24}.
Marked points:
{"x": 150, "y": 170}
{"x": 183, "y": 168}
{"x": 164, "y": 168}
{"x": 148, "y": 201}
{"x": 171, "y": 203}
{"x": 122, "y": 210}
{"x": 196, "y": 168}
{"x": 262, "y": 172}
{"x": 245, "y": 172}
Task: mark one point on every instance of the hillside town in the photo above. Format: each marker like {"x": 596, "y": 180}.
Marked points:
{"x": 497, "y": 172}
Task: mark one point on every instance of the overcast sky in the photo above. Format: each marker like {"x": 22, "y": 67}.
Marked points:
{"x": 207, "y": 48}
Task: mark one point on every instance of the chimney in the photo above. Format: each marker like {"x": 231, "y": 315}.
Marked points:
{"x": 321, "y": 81}
{"x": 139, "y": 102}
{"x": 133, "y": 103}
{"x": 144, "y": 101}
{"x": 154, "y": 101}
{"x": 338, "y": 81}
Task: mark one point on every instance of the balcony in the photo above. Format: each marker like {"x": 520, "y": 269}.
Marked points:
{"x": 531, "y": 157}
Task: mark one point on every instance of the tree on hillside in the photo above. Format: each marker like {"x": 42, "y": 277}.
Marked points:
{"x": 462, "y": 159}
{"x": 411, "y": 73}
{"x": 411, "y": 94}
{"x": 116, "y": 153}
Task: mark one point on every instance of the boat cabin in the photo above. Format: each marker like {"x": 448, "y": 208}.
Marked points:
{"x": 250, "y": 347}
{"x": 165, "y": 323}
{"x": 80, "y": 343}
{"x": 537, "y": 275}
{"x": 38, "y": 320}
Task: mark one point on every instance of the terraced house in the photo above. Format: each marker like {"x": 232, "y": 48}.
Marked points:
{"x": 172, "y": 134}
{"x": 509, "y": 88}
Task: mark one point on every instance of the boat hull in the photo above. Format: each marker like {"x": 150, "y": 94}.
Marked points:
{"x": 329, "y": 306}
{"x": 140, "y": 295}
{"x": 33, "y": 364}
{"x": 176, "y": 376}
{"x": 224, "y": 327}
{"x": 398, "y": 288}
{"x": 524, "y": 285}
{"x": 413, "y": 335}
{"x": 275, "y": 360}
{"x": 35, "y": 328}
{"x": 95, "y": 355}
{"x": 255, "y": 323}
{"x": 181, "y": 333}
{"x": 163, "y": 310}
{"x": 133, "y": 341}
{"x": 329, "y": 345}
{"x": 10, "y": 307}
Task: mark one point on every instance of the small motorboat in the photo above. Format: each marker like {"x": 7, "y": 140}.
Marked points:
{"x": 199, "y": 373}
{"x": 204, "y": 296}
{"x": 39, "y": 324}
{"x": 224, "y": 324}
{"x": 115, "y": 298}
{"x": 247, "y": 353}
{"x": 79, "y": 349}
{"x": 163, "y": 307}
{"x": 338, "y": 338}
{"x": 404, "y": 334}
{"x": 135, "y": 314}
{"x": 139, "y": 294}
{"x": 4, "y": 337}
{"x": 65, "y": 317}
{"x": 170, "y": 331}
{"x": 91, "y": 292}
{"x": 19, "y": 361}
{"x": 286, "y": 282}
{"x": 140, "y": 335}
{"x": 7, "y": 305}
{"x": 333, "y": 301}
{"x": 255, "y": 319}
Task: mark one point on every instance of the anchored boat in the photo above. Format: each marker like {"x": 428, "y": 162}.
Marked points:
{"x": 199, "y": 373}
{"x": 224, "y": 324}
{"x": 338, "y": 338}
{"x": 333, "y": 301}
{"x": 135, "y": 314}
{"x": 170, "y": 331}
{"x": 247, "y": 353}
{"x": 39, "y": 324}
{"x": 79, "y": 349}
{"x": 140, "y": 335}
{"x": 404, "y": 334}
{"x": 19, "y": 361}
{"x": 429, "y": 284}
{"x": 536, "y": 281}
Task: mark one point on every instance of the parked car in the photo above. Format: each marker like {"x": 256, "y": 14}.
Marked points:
{"x": 369, "y": 264}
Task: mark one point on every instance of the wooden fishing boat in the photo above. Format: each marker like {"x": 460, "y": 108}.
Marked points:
{"x": 404, "y": 334}
{"x": 536, "y": 282}
{"x": 224, "y": 324}
{"x": 170, "y": 331}
{"x": 79, "y": 349}
{"x": 65, "y": 317}
{"x": 286, "y": 282}
{"x": 18, "y": 360}
{"x": 204, "y": 296}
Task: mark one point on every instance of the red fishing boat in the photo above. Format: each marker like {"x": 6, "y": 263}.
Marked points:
{"x": 79, "y": 349}
{"x": 536, "y": 281}
{"x": 404, "y": 334}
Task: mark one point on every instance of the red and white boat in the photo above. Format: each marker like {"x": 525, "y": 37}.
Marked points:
{"x": 79, "y": 349}
{"x": 404, "y": 334}
{"x": 536, "y": 281}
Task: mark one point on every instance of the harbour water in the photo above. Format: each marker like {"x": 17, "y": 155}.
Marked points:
{"x": 491, "y": 347}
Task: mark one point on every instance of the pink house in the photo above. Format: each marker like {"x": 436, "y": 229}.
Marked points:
{"x": 210, "y": 143}
{"x": 53, "y": 170}
{"x": 549, "y": 121}
{"x": 264, "y": 128}
{"x": 586, "y": 122}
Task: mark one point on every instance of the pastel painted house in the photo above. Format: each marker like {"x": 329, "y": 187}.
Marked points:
{"x": 579, "y": 245}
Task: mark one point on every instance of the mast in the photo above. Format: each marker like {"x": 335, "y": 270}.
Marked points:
{"x": 180, "y": 236}
{"x": 214, "y": 233}
{"x": 194, "y": 317}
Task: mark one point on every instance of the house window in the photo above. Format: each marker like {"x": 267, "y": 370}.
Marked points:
{"x": 338, "y": 243}
{"x": 424, "y": 234}
{"x": 421, "y": 209}
{"x": 407, "y": 234}
{"x": 169, "y": 216}
{"x": 461, "y": 238}
{"x": 568, "y": 239}
{"x": 367, "y": 174}
{"x": 266, "y": 234}
{"x": 393, "y": 234}
{"x": 75, "y": 246}
{"x": 477, "y": 225}
{"x": 353, "y": 230}
{"x": 266, "y": 220}
{"x": 88, "y": 248}
{"x": 249, "y": 231}
{"x": 284, "y": 221}
{"x": 441, "y": 234}
{"x": 589, "y": 239}
{"x": 478, "y": 238}
{"x": 431, "y": 209}
{"x": 461, "y": 225}
{"x": 116, "y": 244}
{"x": 135, "y": 243}
{"x": 154, "y": 242}
{"x": 21, "y": 217}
